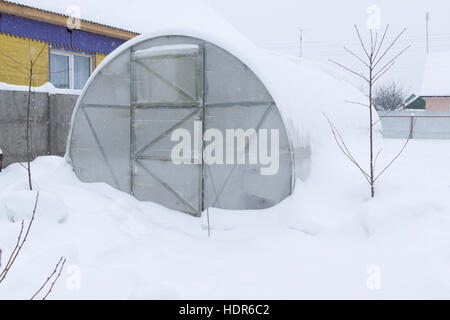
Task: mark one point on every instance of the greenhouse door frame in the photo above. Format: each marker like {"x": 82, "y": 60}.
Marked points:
{"x": 197, "y": 105}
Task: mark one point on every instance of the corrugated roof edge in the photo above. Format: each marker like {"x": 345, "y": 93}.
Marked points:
{"x": 65, "y": 15}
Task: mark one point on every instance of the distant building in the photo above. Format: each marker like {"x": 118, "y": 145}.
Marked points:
{"x": 414, "y": 102}
{"x": 436, "y": 82}
{"x": 65, "y": 53}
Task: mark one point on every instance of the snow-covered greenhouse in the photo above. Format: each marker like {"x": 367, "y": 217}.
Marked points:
{"x": 200, "y": 90}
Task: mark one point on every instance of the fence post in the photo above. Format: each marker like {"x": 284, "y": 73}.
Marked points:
{"x": 411, "y": 127}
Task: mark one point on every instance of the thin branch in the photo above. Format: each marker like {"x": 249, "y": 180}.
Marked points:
{"x": 362, "y": 43}
{"x": 354, "y": 72}
{"x": 382, "y": 116}
{"x": 23, "y": 166}
{"x": 398, "y": 154}
{"x": 393, "y": 59}
{"x": 14, "y": 60}
{"x": 27, "y": 134}
{"x": 17, "y": 69}
{"x": 359, "y": 103}
{"x": 389, "y": 47}
{"x": 376, "y": 157}
{"x": 48, "y": 279}
{"x": 56, "y": 279}
{"x": 382, "y": 69}
{"x": 39, "y": 54}
{"x": 17, "y": 250}
{"x": 356, "y": 56}
{"x": 387, "y": 69}
{"x": 352, "y": 158}
{"x": 344, "y": 148}
{"x": 381, "y": 42}
{"x": 13, "y": 252}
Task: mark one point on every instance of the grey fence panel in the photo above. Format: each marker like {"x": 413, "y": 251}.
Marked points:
{"x": 398, "y": 127}
{"x": 52, "y": 113}
{"x": 421, "y": 125}
{"x": 431, "y": 128}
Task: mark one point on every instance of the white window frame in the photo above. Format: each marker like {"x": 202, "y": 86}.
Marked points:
{"x": 71, "y": 65}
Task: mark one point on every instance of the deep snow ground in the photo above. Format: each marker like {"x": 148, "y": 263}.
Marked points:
{"x": 326, "y": 241}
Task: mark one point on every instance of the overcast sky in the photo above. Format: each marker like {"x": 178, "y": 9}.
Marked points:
{"x": 328, "y": 26}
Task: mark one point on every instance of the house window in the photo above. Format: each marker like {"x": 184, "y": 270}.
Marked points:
{"x": 69, "y": 70}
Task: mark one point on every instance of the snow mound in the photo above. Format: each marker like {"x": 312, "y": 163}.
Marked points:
{"x": 18, "y": 205}
{"x": 319, "y": 243}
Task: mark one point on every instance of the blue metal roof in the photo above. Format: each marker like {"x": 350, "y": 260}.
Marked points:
{"x": 57, "y": 35}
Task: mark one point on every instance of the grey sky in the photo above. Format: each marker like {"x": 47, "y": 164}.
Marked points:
{"x": 328, "y": 26}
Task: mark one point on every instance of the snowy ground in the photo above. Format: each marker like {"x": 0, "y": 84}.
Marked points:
{"x": 326, "y": 241}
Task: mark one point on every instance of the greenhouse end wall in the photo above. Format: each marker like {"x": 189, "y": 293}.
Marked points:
{"x": 124, "y": 124}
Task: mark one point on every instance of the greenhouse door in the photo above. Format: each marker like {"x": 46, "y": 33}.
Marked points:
{"x": 167, "y": 90}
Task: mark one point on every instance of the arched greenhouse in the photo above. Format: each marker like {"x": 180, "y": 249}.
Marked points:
{"x": 196, "y": 96}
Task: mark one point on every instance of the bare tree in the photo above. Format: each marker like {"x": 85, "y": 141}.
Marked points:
{"x": 389, "y": 97}
{"x": 22, "y": 238}
{"x": 375, "y": 63}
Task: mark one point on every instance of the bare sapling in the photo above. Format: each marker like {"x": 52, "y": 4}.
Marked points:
{"x": 28, "y": 71}
{"x": 376, "y": 61}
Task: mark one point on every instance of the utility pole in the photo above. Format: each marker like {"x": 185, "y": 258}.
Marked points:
{"x": 427, "y": 19}
{"x": 301, "y": 41}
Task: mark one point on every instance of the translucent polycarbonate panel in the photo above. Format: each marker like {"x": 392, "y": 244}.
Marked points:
{"x": 174, "y": 186}
{"x": 168, "y": 79}
{"x": 154, "y": 126}
{"x": 157, "y": 177}
{"x": 248, "y": 185}
{"x": 229, "y": 80}
{"x": 111, "y": 86}
{"x": 100, "y": 146}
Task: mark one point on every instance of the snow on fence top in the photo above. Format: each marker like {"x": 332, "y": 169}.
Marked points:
{"x": 436, "y": 80}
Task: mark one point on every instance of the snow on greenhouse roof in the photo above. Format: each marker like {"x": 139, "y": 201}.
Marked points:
{"x": 303, "y": 90}
{"x": 436, "y": 80}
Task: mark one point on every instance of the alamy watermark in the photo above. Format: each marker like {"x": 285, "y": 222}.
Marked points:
{"x": 73, "y": 280}
{"x": 74, "y": 17}
{"x": 373, "y": 281}
{"x": 212, "y": 147}
{"x": 374, "y": 17}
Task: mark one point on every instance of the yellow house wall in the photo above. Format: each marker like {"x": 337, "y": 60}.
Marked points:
{"x": 99, "y": 58}
{"x": 15, "y": 60}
